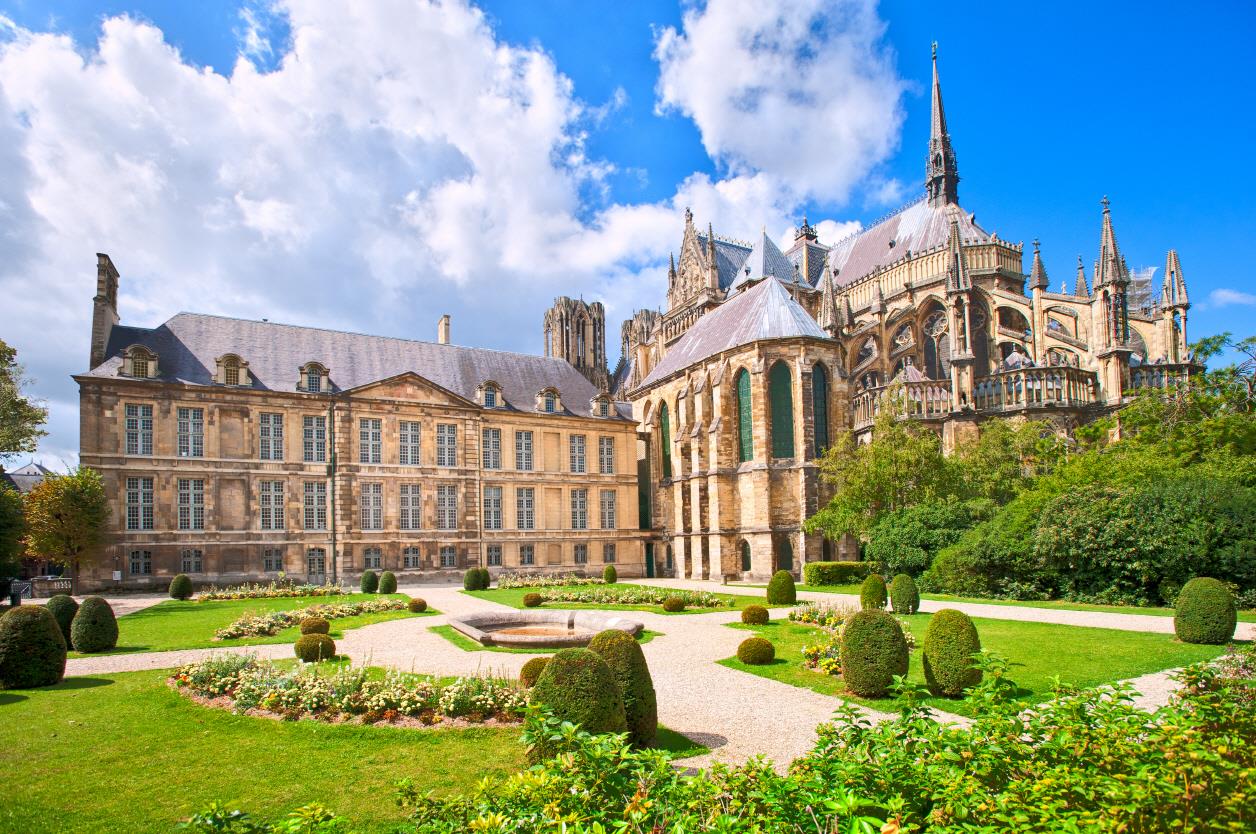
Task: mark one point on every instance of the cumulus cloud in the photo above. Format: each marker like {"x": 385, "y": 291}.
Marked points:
{"x": 1225, "y": 297}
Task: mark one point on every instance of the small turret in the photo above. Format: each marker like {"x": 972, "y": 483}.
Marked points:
{"x": 1038, "y": 272}
{"x": 1080, "y": 289}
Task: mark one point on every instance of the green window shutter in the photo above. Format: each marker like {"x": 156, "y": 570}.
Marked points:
{"x": 820, "y": 407}
{"x": 745, "y": 424}
{"x": 781, "y": 401}
{"x": 665, "y": 438}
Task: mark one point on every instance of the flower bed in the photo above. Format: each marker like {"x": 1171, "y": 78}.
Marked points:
{"x": 544, "y": 580}
{"x": 830, "y": 617}
{"x": 826, "y": 656}
{"x": 245, "y": 683}
{"x": 272, "y": 591}
{"x": 635, "y": 595}
{"x": 264, "y": 625}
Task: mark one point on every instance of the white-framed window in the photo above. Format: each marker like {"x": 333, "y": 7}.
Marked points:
{"x": 490, "y": 397}
{"x": 525, "y": 508}
{"x": 527, "y": 554}
{"x": 607, "y": 506}
{"x": 314, "y": 438}
{"x": 139, "y": 363}
{"x": 446, "y": 507}
{"x": 371, "y": 505}
{"x": 191, "y": 431}
{"x": 491, "y": 448}
{"x": 141, "y": 562}
{"x": 550, "y": 402}
{"x": 231, "y": 372}
{"x": 372, "y": 558}
{"x": 316, "y": 562}
{"x": 448, "y": 557}
{"x": 446, "y": 444}
{"x": 191, "y": 560}
{"x": 408, "y": 443}
{"x": 411, "y": 507}
{"x": 608, "y": 553}
{"x": 523, "y": 451}
{"x": 492, "y": 508}
{"x": 493, "y": 556}
{"x": 575, "y": 445}
{"x": 139, "y": 429}
{"x": 139, "y": 503}
{"x": 191, "y": 504}
{"x": 270, "y": 436}
{"x": 411, "y": 558}
{"x": 603, "y": 408}
{"x": 272, "y": 560}
{"x": 606, "y": 455}
{"x": 271, "y": 494}
{"x": 315, "y": 505}
{"x": 370, "y": 440}
{"x": 582, "y": 554}
{"x": 579, "y": 509}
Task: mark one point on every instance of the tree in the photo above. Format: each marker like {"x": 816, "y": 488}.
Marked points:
{"x": 20, "y": 419}
{"x": 66, "y": 517}
{"x": 12, "y": 528}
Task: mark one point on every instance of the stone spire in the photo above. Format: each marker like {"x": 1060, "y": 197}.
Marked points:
{"x": 1037, "y": 273}
{"x": 1080, "y": 289}
{"x": 1111, "y": 268}
{"x": 878, "y": 299}
{"x": 957, "y": 277}
{"x": 828, "y": 317}
{"x": 941, "y": 171}
{"x": 1174, "y": 283}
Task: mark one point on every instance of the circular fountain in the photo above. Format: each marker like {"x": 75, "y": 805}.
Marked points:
{"x": 540, "y": 629}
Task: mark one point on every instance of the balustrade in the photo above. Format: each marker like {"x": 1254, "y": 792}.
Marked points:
{"x": 1162, "y": 376}
{"x": 1056, "y": 385}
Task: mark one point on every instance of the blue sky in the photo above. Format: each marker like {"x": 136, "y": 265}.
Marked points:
{"x": 357, "y": 179}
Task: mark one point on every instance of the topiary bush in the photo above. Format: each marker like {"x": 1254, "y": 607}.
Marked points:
{"x": 781, "y": 589}
{"x": 874, "y": 650}
{"x": 416, "y": 605}
{"x": 63, "y": 608}
{"x": 872, "y": 593}
{"x": 94, "y": 629}
{"x": 623, "y": 654}
{"x": 950, "y": 642}
{"x": 904, "y": 595}
{"x": 181, "y": 587}
{"x": 754, "y": 615}
{"x": 388, "y": 582}
{"x": 370, "y": 582}
{"x": 834, "y": 573}
{"x": 311, "y": 648}
{"x": 32, "y": 648}
{"x": 756, "y": 651}
{"x": 578, "y": 686}
{"x": 1205, "y": 612}
{"x": 609, "y": 574}
{"x": 315, "y": 625}
{"x": 673, "y": 604}
{"x": 476, "y": 579}
{"x": 531, "y": 671}
{"x": 532, "y": 600}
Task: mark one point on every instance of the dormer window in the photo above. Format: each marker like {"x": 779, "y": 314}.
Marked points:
{"x": 490, "y": 398}
{"x": 232, "y": 370}
{"x": 548, "y": 401}
{"x": 139, "y": 362}
{"x": 313, "y": 378}
{"x": 551, "y": 402}
{"x": 600, "y": 406}
{"x": 490, "y": 395}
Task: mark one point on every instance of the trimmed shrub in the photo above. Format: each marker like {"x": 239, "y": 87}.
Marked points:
{"x": 181, "y": 587}
{"x": 904, "y": 595}
{"x": 874, "y": 650}
{"x": 673, "y": 604}
{"x": 32, "y": 648}
{"x": 532, "y": 600}
{"x": 388, "y": 582}
{"x": 950, "y": 642}
{"x": 872, "y": 593}
{"x": 94, "y": 629}
{"x": 416, "y": 605}
{"x": 579, "y": 686}
{"x": 476, "y": 579}
{"x": 63, "y": 608}
{"x": 315, "y": 625}
{"x": 623, "y": 654}
{"x": 609, "y": 574}
{"x": 756, "y": 651}
{"x": 312, "y": 648}
{"x": 370, "y": 582}
{"x": 754, "y": 615}
{"x": 834, "y": 573}
{"x": 1205, "y": 612}
{"x": 532, "y": 670}
{"x": 781, "y": 589}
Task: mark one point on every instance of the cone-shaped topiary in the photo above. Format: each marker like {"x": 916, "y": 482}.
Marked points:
{"x": 756, "y": 651}
{"x": 312, "y": 648}
{"x": 315, "y": 625}
{"x": 904, "y": 595}
{"x": 781, "y": 589}
{"x": 623, "y": 654}
{"x": 532, "y": 670}
{"x": 416, "y": 605}
{"x": 32, "y": 648}
{"x": 579, "y": 686}
{"x": 610, "y": 575}
{"x": 1205, "y": 612}
{"x": 754, "y": 615}
{"x": 94, "y": 629}
{"x": 950, "y": 642}
{"x": 388, "y": 582}
{"x": 63, "y": 608}
{"x": 181, "y": 587}
{"x": 872, "y": 594}
{"x": 532, "y": 600}
{"x": 370, "y": 582}
{"x": 673, "y": 604}
{"x": 874, "y": 650}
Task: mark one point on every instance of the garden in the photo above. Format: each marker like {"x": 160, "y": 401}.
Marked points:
{"x": 528, "y": 592}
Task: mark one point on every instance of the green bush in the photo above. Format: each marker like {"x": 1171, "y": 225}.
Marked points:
{"x": 388, "y": 582}
{"x": 532, "y": 600}
{"x": 311, "y": 648}
{"x": 872, "y": 593}
{"x": 673, "y": 604}
{"x": 904, "y": 595}
{"x": 834, "y": 573}
{"x": 1205, "y": 612}
{"x": 578, "y": 686}
{"x": 908, "y": 539}
{"x": 874, "y": 650}
{"x": 476, "y": 579}
{"x": 623, "y": 654}
{"x": 94, "y": 629}
{"x": 32, "y": 648}
{"x": 609, "y": 574}
{"x": 315, "y": 625}
{"x": 370, "y": 582}
{"x": 754, "y": 615}
{"x": 531, "y": 671}
{"x": 947, "y": 656}
{"x": 756, "y": 651}
{"x": 781, "y": 589}
{"x": 416, "y": 605}
{"x": 63, "y": 608}
{"x": 181, "y": 587}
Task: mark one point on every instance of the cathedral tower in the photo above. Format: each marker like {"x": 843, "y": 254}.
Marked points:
{"x": 576, "y": 331}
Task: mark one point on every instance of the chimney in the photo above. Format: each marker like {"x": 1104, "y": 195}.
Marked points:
{"x": 104, "y": 308}
{"x": 442, "y": 330}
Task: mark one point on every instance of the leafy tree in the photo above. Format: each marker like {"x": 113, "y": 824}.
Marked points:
{"x": 1004, "y": 458}
{"x": 66, "y": 517}
{"x": 12, "y": 528}
{"x": 906, "y": 540}
{"x": 20, "y": 419}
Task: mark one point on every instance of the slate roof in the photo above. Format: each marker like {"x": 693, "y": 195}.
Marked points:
{"x": 25, "y": 478}
{"x": 729, "y": 256}
{"x": 815, "y": 260}
{"x": 766, "y": 260}
{"x": 763, "y": 311}
{"x": 188, "y": 345}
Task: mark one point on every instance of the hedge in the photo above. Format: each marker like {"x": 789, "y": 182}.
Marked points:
{"x": 312, "y": 648}
{"x": 476, "y": 579}
{"x": 532, "y": 600}
{"x": 904, "y": 595}
{"x": 874, "y": 650}
{"x": 673, "y": 604}
{"x": 531, "y": 671}
{"x": 623, "y": 654}
{"x": 579, "y": 686}
{"x": 370, "y": 582}
{"x": 388, "y": 582}
{"x": 181, "y": 587}
{"x": 63, "y": 608}
{"x": 872, "y": 594}
{"x": 950, "y": 642}
{"x": 315, "y": 625}
{"x": 834, "y": 573}
{"x": 32, "y": 648}
{"x": 610, "y": 575}
{"x": 417, "y": 605}
{"x": 781, "y": 589}
{"x": 1205, "y": 612}
{"x": 756, "y": 651}
{"x": 754, "y": 615}
{"x": 94, "y": 629}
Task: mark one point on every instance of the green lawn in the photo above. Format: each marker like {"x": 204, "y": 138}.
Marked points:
{"x": 465, "y": 643}
{"x": 1037, "y": 651}
{"x": 191, "y": 625}
{"x": 514, "y": 598}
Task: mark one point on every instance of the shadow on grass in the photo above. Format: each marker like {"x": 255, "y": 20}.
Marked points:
{"x": 82, "y": 683}
{"x": 10, "y": 698}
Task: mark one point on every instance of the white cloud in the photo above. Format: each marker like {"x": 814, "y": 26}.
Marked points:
{"x": 1226, "y": 297}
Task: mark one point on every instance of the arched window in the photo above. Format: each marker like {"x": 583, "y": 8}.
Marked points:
{"x": 745, "y": 555}
{"x": 937, "y": 346}
{"x": 745, "y": 423}
{"x": 313, "y": 377}
{"x": 784, "y": 555}
{"x": 665, "y": 440}
{"x": 781, "y": 399}
{"x": 867, "y": 351}
{"x": 820, "y": 407}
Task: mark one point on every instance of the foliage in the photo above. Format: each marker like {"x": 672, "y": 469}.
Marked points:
{"x": 1205, "y": 612}
{"x": 63, "y": 607}
{"x": 818, "y": 574}
{"x": 754, "y": 615}
{"x": 32, "y": 648}
{"x": 21, "y": 420}
{"x": 370, "y": 582}
{"x": 623, "y": 654}
{"x": 544, "y": 580}
{"x": 312, "y": 648}
{"x": 181, "y": 587}
{"x": 947, "y": 654}
{"x": 610, "y": 575}
{"x": 673, "y": 605}
{"x": 830, "y": 617}
{"x": 308, "y": 819}
{"x": 476, "y": 579}
{"x": 388, "y": 582}
{"x": 275, "y": 590}
{"x": 315, "y": 625}
{"x": 257, "y": 625}
{"x": 756, "y": 651}
{"x": 824, "y": 657}
{"x": 416, "y": 605}
{"x": 12, "y": 530}
{"x": 781, "y": 589}
{"x": 904, "y": 595}
{"x": 532, "y": 670}
{"x": 874, "y": 650}
{"x": 872, "y": 593}
{"x": 908, "y": 539}
{"x": 532, "y": 600}
{"x": 94, "y": 629}
{"x": 634, "y": 595}
{"x": 578, "y": 686}
{"x": 66, "y": 516}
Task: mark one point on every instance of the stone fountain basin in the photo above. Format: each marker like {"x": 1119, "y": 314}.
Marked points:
{"x": 541, "y": 629}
